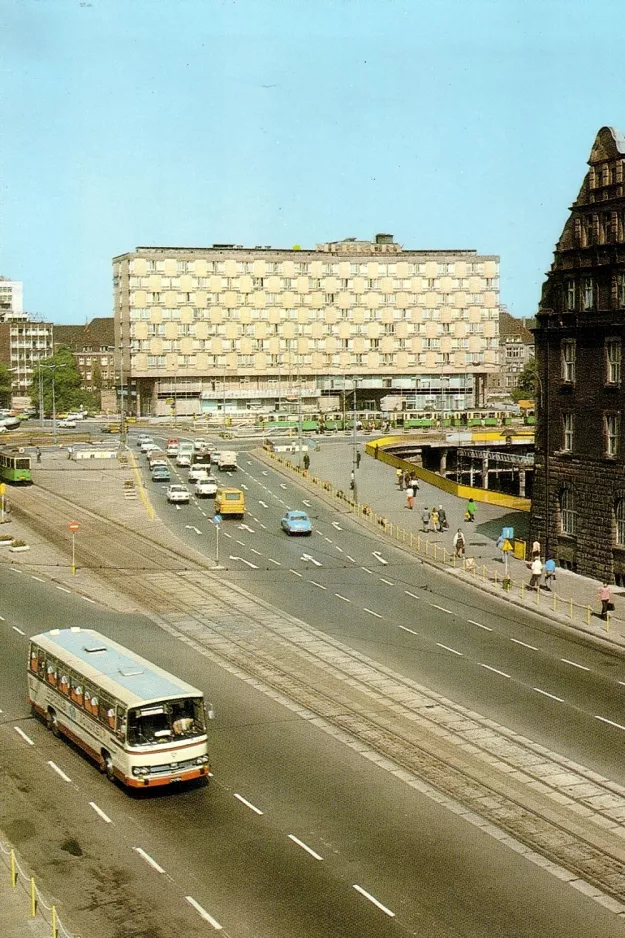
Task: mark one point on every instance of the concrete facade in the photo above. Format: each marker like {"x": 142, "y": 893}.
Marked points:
{"x": 230, "y": 327}
{"x": 578, "y": 508}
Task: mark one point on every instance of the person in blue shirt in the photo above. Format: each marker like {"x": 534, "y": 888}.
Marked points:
{"x": 550, "y": 572}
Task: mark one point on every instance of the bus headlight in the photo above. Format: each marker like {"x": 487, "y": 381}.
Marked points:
{"x": 201, "y": 760}
{"x": 140, "y": 770}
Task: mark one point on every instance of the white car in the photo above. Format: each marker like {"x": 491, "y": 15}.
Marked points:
{"x": 197, "y": 471}
{"x": 206, "y": 487}
{"x": 148, "y": 448}
{"x": 177, "y": 494}
{"x": 142, "y": 437}
{"x": 215, "y": 457}
{"x": 183, "y": 460}
{"x": 200, "y": 446}
{"x": 67, "y": 424}
{"x": 147, "y": 443}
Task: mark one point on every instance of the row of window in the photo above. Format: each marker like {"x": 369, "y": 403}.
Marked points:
{"x": 83, "y": 694}
{"x": 612, "y": 360}
{"x": 377, "y": 313}
{"x": 567, "y": 504}
{"x": 303, "y": 267}
{"x": 307, "y": 344}
{"x": 251, "y": 330}
{"x": 314, "y": 283}
{"x": 600, "y": 228}
{"x": 611, "y": 433}
{"x": 582, "y": 293}
{"x": 305, "y": 360}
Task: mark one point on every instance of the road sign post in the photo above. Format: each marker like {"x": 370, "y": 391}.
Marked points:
{"x": 73, "y": 527}
{"x": 2, "y": 491}
{"x": 506, "y": 547}
{"x": 217, "y": 523}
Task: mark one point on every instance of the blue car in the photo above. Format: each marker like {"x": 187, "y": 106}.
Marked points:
{"x": 296, "y": 522}
{"x": 161, "y": 475}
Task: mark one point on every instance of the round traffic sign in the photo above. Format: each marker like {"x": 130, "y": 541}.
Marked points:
{"x": 217, "y": 519}
{"x": 73, "y": 526}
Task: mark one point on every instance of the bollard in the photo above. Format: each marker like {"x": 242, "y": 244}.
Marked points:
{"x": 555, "y": 602}
{"x": 411, "y": 538}
{"x": 419, "y": 543}
{"x": 607, "y": 622}
{"x": 33, "y": 898}
{"x": 570, "y": 608}
{"x": 587, "y": 615}
{"x": 435, "y": 552}
{"x": 484, "y": 573}
{"x": 13, "y": 869}
{"x": 444, "y": 555}
{"x": 54, "y": 928}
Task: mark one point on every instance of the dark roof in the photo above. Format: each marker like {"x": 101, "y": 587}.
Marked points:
{"x": 97, "y": 335}
{"x": 509, "y": 326}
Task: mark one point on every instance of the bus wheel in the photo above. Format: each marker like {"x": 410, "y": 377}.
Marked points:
{"x": 52, "y": 723}
{"x": 106, "y": 766}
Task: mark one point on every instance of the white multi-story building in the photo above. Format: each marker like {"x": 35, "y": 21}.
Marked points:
{"x": 232, "y": 328}
{"x": 11, "y": 299}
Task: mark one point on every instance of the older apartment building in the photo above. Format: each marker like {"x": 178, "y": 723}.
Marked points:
{"x": 232, "y": 329}
{"x": 24, "y": 341}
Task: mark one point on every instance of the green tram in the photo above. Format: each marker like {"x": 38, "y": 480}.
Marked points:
{"x": 15, "y": 467}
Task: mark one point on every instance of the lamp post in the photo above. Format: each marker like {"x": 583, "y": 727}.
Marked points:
{"x": 354, "y": 450}
{"x": 52, "y": 366}
{"x": 544, "y": 416}
{"x": 299, "y": 417}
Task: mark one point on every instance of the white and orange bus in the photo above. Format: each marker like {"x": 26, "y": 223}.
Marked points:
{"x": 142, "y": 725}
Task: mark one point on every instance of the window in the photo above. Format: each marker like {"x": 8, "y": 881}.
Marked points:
{"x": 568, "y": 515}
{"x": 613, "y": 361}
{"x": 611, "y": 429}
{"x": 181, "y": 267}
{"x": 568, "y": 360}
{"x": 620, "y": 522}
{"x": 345, "y": 282}
{"x": 330, "y": 298}
{"x": 569, "y": 294}
{"x": 588, "y": 293}
{"x": 151, "y": 267}
{"x": 567, "y": 435}
{"x": 620, "y": 290}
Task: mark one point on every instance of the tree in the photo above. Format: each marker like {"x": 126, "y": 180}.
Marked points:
{"x": 58, "y": 374}
{"x": 6, "y": 385}
{"x": 527, "y": 384}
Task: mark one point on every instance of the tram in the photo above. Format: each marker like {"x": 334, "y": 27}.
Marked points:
{"x": 15, "y": 467}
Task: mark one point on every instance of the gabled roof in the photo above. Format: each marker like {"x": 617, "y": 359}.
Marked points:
{"x": 96, "y": 336}
{"x": 509, "y": 326}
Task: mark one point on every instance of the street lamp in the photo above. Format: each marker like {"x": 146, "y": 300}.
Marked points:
{"x": 354, "y": 449}
{"x": 52, "y": 366}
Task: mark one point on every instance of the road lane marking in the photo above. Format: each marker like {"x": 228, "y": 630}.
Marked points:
{"x": 253, "y": 551}
{"x": 609, "y": 722}
{"x": 264, "y": 504}
{"x": 63, "y": 589}
{"x": 314, "y": 583}
{"x": 311, "y": 559}
{"x": 38, "y": 578}
{"x": 88, "y": 599}
{"x": 205, "y": 915}
{"x": 192, "y": 527}
{"x": 494, "y": 670}
{"x": 2, "y": 619}
{"x": 295, "y": 572}
{"x": 16, "y": 570}
{"x": 328, "y": 539}
{"x": 479, "y": 625}
{"x": 277, "y": 562}
{"x": 371, "y": 898}
{"x": 372, "y": 613}
{"x": 379, "y": 558}
{"x": 300, "y": 843}
{"x": 99, "y": 811}
{"x": 388, "y": 582}
{"x": 241, "y": 543}
{"x": 148, "y": 859}
{"x": 340, "y": 549}
{"x": 547, "y": 694}
{"x": 225, "y": 534}
{"x": 406, "y": 629}
{"x": 248, "y": 804}
{"x": 23, "y": 735}
{"x": 282, "y": 485}
{"x": 574, "y": 664}
{"x": 414, "y": 596}
{"x": 366, "y": 569}
{"x": 336, "y": 525}
{"x": 351, "y": 558}
{"x": 344, "y": 598}
{"x": 243, "y": 560}
{"x": 517, "y": 641}
{"x": 304, "y": 502}
{"x": 19, "y": 631}
{"x": 59, "y": 771}
{"x": 452, "y": 650}
{"x": 441, "y": 608}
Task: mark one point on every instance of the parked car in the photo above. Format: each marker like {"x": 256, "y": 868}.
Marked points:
{"x": 67, "y": 424}
{"x": 177, "y": 494}
{"x": 183, "y": 460}
{"x": 161, "y": 474}
{"x": 296, "y": 522}
{"x": 206, "y": 487}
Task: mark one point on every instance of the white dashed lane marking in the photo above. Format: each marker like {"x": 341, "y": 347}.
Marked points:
{"x": 609, "y": 722}
{"x": 248, "y": 804}
{"x": 452, "y": 650}
{"x": 494, "y": 670}
{"x": 300, "y": 843}
{"x": 546, "y": 693}
{"x": 517, "y": 641}
{"x": 574, "y": 664}
{"x": 344, "y": 598}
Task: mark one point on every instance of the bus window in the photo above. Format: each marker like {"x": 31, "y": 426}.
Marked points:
{"x": 76, "y": 691}
{"x": 51, "y": 673}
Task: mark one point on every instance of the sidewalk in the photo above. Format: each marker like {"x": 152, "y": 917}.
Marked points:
{"x": 573, "y": 600}
{"x": 15, "y": 917}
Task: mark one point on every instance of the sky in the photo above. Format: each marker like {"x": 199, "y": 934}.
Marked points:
{"x": 449, "y": 123}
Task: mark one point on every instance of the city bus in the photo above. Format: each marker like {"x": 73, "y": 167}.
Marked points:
{"x": 143, "y": 726}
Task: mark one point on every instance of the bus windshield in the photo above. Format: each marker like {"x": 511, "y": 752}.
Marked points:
{"x": 171, "y": 719}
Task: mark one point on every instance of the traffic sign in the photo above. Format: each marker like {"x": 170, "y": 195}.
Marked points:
{"x": 506, "y": 545}
{"x": 217, "y": 519}
{"x": 73, "y": 526}
{"x": 3, "y": 488}
{"x": 508, "y": 533}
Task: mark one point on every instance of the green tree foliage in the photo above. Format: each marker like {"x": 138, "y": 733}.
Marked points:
{"x": 5, "y": 386}
{"x": 59, "y": 376}
{"x": 526, "y": 388}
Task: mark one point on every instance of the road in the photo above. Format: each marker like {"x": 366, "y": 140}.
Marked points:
{"x": 341, "y": 848}
{"x": 502, "y": 661}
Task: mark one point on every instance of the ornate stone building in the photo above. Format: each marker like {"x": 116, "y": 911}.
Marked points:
{"x": 578, "y": 507}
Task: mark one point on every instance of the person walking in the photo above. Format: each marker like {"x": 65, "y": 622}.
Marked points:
{"x": 38, "y": 454}
{"x": 410, "y": 496}
{"x": 434, "y": 520}
{"x": 306, "y": 462}
{"x": 425, "y": 520}
{"x": 550, "y": 573}
{"x": 459, "y": 545}
{"x": 470, "y": 511}
{"x": 605, "y": 595}
{"x": 500, "y": 542}
{"x": 536, "y": 550}
{"x": 352, "y": 480}
{"x": 537, "y": 571}
{"x": 442, "y": 518}
{"x": 400, "y": 479}
{"x": 358, "y": 458}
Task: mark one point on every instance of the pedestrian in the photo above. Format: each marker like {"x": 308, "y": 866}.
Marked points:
{"x": 536, "y": 550}
{"x": 550, "y": 572}
{"x": 400, "y": 479}
{"x": 442, "y": 518}
{"x": 500, "y": 542}
{"x": 306, "y": 461}
{"x": 434, "y": 519}
{"x": 425, "y": 520}
{"x": 537, "y": 571}
{"x": 38, "y": 454}
{"x": 459, "y": 545}
{"x": 414, "y": 483}
{"x": 605, "y": 595}
{"x": 358, "y": 458}
{"x": 352, "y": 480}
{"x": 410, "y": 497}
{"x": 470, "y": 512}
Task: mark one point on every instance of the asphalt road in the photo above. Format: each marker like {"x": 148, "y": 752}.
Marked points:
{"x": 296, "y": 835}
{"x": 510, "y": 665}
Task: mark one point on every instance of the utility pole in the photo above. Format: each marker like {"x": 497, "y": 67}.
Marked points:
{"x": 299, "y": 417}
{"x": 354, "y": 451}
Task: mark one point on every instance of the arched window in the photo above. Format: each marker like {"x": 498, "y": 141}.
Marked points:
{"x": 620, "y": 522}
{"x": 568, "y": 515}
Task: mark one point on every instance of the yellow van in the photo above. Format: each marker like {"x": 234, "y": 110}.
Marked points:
{"x": 230, "y": 502}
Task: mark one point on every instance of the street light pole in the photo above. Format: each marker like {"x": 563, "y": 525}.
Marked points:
{"x": 354, "y": 451}
{"x": 299, "y": 417}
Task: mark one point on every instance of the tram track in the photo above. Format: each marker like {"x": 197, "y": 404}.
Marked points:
{"x": 458, "y": 756}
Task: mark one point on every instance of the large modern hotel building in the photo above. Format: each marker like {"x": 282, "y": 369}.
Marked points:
{"x": 233, "y": 329}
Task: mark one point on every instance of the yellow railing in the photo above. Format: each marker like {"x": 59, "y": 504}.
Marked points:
{"x": 34, "y": 903}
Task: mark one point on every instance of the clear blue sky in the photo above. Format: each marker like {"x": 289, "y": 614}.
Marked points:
{"x": 450, "y": 123}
